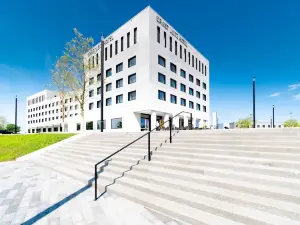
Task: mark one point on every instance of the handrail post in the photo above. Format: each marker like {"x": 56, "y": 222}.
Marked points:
{"x": 149, "y": 152}
{"x": 96, "y": 178}
{"x": 170, "y": 126}
{"x": 191, "y": 121}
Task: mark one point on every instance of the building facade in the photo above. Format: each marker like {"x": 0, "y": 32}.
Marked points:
{"x": 151, "y": 73}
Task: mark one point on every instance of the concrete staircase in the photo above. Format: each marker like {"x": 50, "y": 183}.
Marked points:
{"x": 203, "y": 177}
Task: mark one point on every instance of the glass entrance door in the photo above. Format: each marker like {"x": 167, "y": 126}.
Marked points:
{"x": 181, "y": 123}
{"x": 145, "y": 121}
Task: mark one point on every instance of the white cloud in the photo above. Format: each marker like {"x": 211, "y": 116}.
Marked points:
{"x": 275, "y": 94}
{"x": 293, "y": 87}
{"x": 297, "y": 96}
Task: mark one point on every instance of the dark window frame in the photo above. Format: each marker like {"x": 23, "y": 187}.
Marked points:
{"x": 164, "y": 95}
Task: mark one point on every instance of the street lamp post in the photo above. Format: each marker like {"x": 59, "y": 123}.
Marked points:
{"x": 273, "y": 116}
{"x": 253, "y": 85}
{"x": 271, "y": 122}
{"x": 16, "y": 114}
{"x": 102, "y": 81}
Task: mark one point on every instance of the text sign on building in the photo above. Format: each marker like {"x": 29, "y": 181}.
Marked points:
{"x": 172, "y": 31}
{"x": 94, "y": 50}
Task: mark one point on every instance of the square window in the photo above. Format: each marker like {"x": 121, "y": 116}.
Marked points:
{"x": 191, "y": 104}
{"x": 119, "y": 99}
{"x": 191, "y": 91}
{"x": 182, "y": 73}
{"x": 182, "y": 88}
{"x": 131, "y": 95}
{"x": 91, "y": 106}
{"x": 173, "y": 99}
{"x": 173, "y": 67}
{"x": 99, "y": 124}
{"x": 108, "y": 72}
{"x": 98, "y": 90}
{"x": 131, "y": 62}
{"x": 98, "y": 104}
{"x": 161, "y": 78}
{"x": 132, "y": 78}
{"x": 198, "y": 107}
{"x": 109, "y": 87}
{"x": 197, "y": 94}
{"x": 204, "y": 108}
{"x": 191, "y": 78}
{"x": 119, "y": 67}
{"x": 98, "y": 77}
{"x": 116, "y": 123}
{"x": 182, "y": 102}
{"x": 108, "y": 101}
{"x": 89, "y": 125}
{"x": 204, "y": 97}
{"x": 198, "y": 82}
{"x": 162, "y": 95}
{"x": 91, "y": 80}
{"x": 204, "y": 86}
{"x": 91, "y": 93}
{"x": 161, "y": 61}
{"x": 173, "y": 83}
{"x": 119, "y": 83}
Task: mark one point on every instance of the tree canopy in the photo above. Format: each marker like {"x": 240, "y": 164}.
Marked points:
{"x": 244, "y": 123}
{"x": 291, "y": 123}
{"x": 11, "y": 128}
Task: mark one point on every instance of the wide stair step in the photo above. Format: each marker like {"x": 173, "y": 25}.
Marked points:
{"x": 204, "y": 177}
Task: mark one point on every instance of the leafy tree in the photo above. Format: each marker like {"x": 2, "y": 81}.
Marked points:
{"x": 291, "y": 123}
{"x": 244, "y": 123}
{"x": 2, "y": 122}
{"x": 59, "y": 81}
{"x": 11, "y": 128}
{"x": 75, "y": 66}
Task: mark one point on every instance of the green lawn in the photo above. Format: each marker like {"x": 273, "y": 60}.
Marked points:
{"x": 14, "y": 146}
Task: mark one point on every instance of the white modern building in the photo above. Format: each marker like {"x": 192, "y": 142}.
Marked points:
{"x": 151, "y": 73}
{"x": 262, "y": 124}
{"x": 45, "y": 113}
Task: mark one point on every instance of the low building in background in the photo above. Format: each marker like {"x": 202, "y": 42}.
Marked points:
{"x": 268, "y": 124}
{"x": 45, "y": 113}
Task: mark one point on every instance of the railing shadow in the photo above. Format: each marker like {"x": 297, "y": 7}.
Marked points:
{"x": 132, "y": 166}
{"x": 55, "y": 206}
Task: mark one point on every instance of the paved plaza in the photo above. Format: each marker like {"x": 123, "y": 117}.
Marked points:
{"x": 30, "y": 194}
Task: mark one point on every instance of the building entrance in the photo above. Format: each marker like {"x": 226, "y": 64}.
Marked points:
{"x": 145, "y": 122}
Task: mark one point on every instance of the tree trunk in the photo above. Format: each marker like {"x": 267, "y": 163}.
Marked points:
{"x": 82, "y": 118}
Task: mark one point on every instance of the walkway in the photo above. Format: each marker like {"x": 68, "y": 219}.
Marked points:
{"x": 35, "y": 195}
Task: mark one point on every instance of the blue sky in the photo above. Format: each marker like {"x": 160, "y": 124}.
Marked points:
{"x": 241, "y": 39}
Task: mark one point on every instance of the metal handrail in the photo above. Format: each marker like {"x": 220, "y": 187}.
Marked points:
{"x": 149, "y": 152}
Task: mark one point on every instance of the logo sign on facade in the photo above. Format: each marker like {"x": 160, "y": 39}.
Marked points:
{"x": 109, "y": 39}
{"x": 94, "y": 50}
{"x": 98, "y": 46}
{"x": 172, "y": 31}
